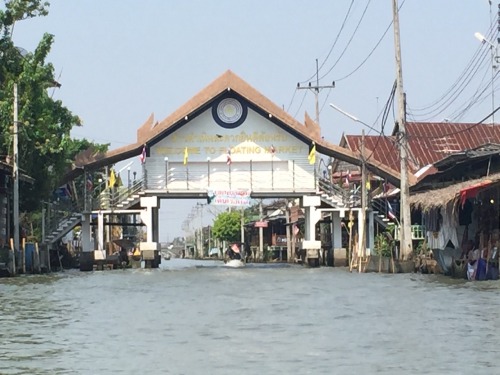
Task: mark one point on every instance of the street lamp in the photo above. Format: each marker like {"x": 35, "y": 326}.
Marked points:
{"x": 483, "y": 39}
{"x": 354, "y": 118}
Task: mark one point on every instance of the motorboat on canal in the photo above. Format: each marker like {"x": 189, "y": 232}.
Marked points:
{"x": 234, "y": 263}
{"x": 234, "y": 256}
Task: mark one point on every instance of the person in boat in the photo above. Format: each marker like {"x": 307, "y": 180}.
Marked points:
{"x": 466, "y": 249}
{"x": 233, "y": 252}
{"x": 123, "y": 257}
{"x": 472, "y": 257}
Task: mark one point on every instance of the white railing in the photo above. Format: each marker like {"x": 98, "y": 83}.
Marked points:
{"x": 255, "y": 176}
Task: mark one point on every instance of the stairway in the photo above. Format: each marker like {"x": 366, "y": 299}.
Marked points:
{"x": 332, "y": 194}
{"x": 64, "y": 226}
{"x": 128, "y": 197}
{"x": 65, "y": 216}
{"x": 379, "y": 207}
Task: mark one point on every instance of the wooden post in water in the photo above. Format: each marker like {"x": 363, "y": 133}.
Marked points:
{"x": 351, "y": 221}
{"x": 288, "y": 237}
{"x": 36, "y": 260}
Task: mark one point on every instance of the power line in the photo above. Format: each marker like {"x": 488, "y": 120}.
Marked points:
{"x": 456, "y": 93}
{"x": 349, "y": 41}
{"x": 334, "y": 43}
{"x": 301, "y": 103}
{"x": 461, "y": 78}
{"x": 371, "y": 52}
{"x": 477, "y": 98}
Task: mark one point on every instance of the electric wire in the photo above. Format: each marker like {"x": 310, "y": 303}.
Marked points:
{"x": 460, "y": 110}
{"x": 457, "y": 92}
{"x": 372, "y": 50}
{"x": 349, "y": 41}
{"x": 326, "y": 100}
{"x": 385, "y": 110}
{"x": 334, "y": 43}
{"x": 477, "y": 98}
{"x": 301, "y": 103}
{"x": 291, "y": 100}
{"x": 457, "y": 88}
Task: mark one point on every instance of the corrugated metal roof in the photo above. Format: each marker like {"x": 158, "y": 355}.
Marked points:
{"x": 428, "y": 142}
{"x": 381, "y": 148}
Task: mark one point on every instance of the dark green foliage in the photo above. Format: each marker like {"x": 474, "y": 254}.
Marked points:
{"x": 227, "y": 226}
{"x": 46, "y": 150}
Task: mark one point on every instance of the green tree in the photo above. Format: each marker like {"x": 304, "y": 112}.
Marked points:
{"x": 46, "y": 150}
{"x": 227, "y": 226}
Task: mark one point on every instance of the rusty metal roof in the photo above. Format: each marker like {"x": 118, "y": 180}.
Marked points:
{"x": 428, "y": 142}
{"x": 381, "y": 148}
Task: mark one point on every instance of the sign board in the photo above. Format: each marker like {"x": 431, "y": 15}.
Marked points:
{"x": 239, "y": 198}
{"x": 279, "y": 240}
{"x": 260, "y": 224}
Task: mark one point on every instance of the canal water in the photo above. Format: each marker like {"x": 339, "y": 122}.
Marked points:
{"x": 197, "y": 317}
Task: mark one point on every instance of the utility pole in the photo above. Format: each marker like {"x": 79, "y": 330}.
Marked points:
{"x": 15, "y": 172}
{"x": 405, "y": 240}
{"x": 316, "y": 90}
{"x": 261, "y": 234}
{"x": 364, "y": 204}
{"x": 242, "y": 224}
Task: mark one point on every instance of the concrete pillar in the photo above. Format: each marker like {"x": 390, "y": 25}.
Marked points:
{"x": 87, "y": 254}
{"x": 86, "y": 233}
{"x": 310, "y": 246}
{"x": 149, "y": 217}
{"x": 371, "y": 233}
{"x": 362, "y": 232}
{"x": 100, "y": 252}
{"x": 337, "y": 228}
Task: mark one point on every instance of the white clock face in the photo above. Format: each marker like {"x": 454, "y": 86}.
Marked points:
{"x": 229, "y": 110}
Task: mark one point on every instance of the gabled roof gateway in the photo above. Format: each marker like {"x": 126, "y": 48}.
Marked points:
{"x": 152, "y": 131}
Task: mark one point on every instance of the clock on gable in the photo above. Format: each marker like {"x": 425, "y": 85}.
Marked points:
{"x": 229, "y": 112}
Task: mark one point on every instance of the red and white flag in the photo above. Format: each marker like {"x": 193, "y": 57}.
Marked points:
{"x": 228, "y": 156}
{"x": 390, "y": 212}
{"x": 90, "y": 183}
{"x": 347, "y": 177}
{"x": 142, "y": 156}
{"x": 273, "y": 150}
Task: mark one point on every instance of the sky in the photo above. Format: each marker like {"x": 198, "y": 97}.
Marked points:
{"x": 119, "y": 63}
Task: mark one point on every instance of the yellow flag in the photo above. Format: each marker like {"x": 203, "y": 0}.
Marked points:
{"x": 312, "y": 153}
{"x": 112, "y": 179}
{"x": 185, "y": 156}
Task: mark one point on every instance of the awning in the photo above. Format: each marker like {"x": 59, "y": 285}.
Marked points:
{"x": 473, "y": 190}
{"x": 125, "y": 244}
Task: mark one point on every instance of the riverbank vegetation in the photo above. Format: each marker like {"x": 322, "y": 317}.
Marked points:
{"x": 46, "y": 149}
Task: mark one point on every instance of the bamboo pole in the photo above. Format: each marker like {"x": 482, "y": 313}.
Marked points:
{"x": 23, "y": 250}
{"x": 349, "y": 251}
{"x": 13, "y": 251}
